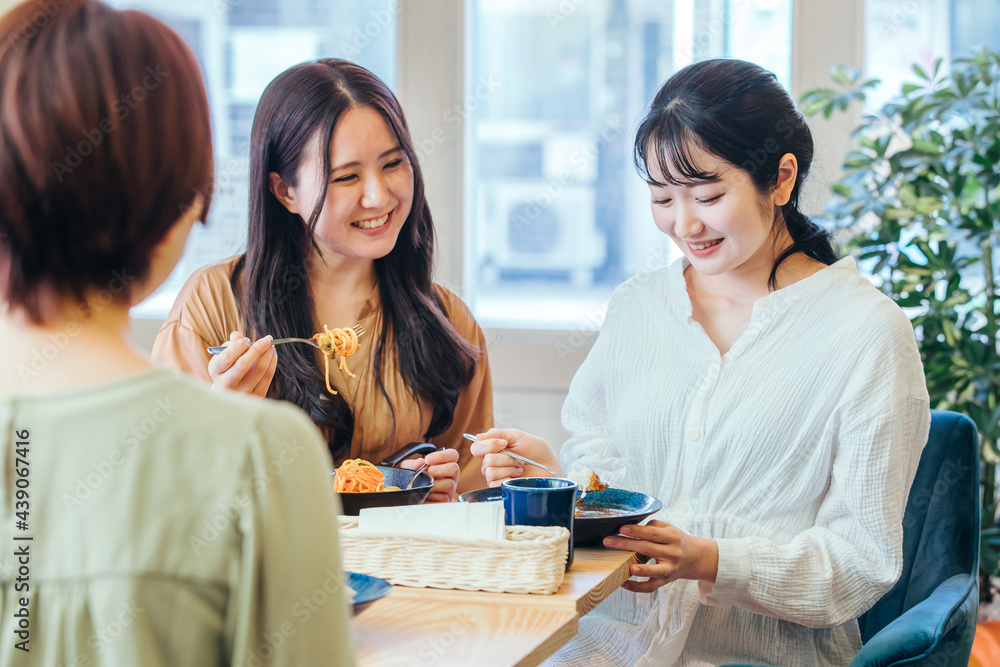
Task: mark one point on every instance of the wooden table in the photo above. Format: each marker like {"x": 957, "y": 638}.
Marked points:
{"x": 426, "y": 626}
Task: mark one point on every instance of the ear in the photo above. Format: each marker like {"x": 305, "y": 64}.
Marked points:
{"x": 190, "y": 214}
{"x": 167, "y": 252}
{"x": 788, "y": 170}
{"x": 283, "y": 192}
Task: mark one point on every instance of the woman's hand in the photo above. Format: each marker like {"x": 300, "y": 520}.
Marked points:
{"x": 443, "y": 467}
{"x": 498, "y": 468}
{"x": 678, "y": 555}
{"x": 244, "y": 367}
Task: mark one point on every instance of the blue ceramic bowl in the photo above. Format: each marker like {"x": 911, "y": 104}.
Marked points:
{"x": 366, "y": 590}
{"x": 611, "y": 508}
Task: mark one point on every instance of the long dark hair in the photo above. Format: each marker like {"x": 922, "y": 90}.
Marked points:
{"x": 738, "y": 112}
{"x": 271, "y": 281}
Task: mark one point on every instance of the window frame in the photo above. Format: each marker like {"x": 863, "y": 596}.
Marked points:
{"x": 432, "y": 77}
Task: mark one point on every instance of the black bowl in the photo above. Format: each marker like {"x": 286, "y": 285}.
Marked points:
{"x": 622, "y": 508}
{"x": 353, "y": 503}
{"x": 367, "y": 589}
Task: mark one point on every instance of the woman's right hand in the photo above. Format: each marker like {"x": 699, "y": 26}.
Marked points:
{"x": 244, "y": 367}
{"x": 498, "y": 468}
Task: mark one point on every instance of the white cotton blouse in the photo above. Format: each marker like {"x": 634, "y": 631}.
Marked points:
{"x": 795, "y": 451}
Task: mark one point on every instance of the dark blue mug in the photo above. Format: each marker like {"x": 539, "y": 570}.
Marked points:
{"x": 541, "y": 501}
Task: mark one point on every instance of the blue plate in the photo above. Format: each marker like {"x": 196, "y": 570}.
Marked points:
{"x": 614, "y": 508}
{"x": 366, "y": 590}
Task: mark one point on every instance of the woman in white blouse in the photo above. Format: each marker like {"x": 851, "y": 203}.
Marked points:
{"x": 771, "y": 397}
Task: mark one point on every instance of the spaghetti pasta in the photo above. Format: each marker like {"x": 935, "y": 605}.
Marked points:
{"x": 337, "y": 342}
{"x": 358, "y": 476}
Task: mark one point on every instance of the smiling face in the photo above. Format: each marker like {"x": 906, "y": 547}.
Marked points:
{"x": 370, "y": 189}
{"x": 721, "y": 224}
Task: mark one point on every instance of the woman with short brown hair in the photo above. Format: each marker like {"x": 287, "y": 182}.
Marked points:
{"x": 161, "y": 523}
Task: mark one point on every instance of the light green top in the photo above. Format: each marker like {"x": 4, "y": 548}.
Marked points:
{"x": 172, "y": 525}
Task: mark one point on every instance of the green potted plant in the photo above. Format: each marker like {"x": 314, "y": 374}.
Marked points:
{"x": 919, "y": 204}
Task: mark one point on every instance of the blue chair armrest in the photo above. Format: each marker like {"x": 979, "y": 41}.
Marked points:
{"x": 917, "y": 632}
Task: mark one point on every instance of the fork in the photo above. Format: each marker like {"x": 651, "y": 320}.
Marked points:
{"x": 358, "y": 329}
{"x": 512, "y": 455}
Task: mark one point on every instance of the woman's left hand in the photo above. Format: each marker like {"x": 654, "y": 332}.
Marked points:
{"x": 678, "y": 555}
{"x": 443, "y": 467}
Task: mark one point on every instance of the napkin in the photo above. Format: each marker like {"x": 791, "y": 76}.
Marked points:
{"x": 477, "y": 521}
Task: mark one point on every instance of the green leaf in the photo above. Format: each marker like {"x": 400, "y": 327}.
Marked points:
{"x": 931, "y": 218}
{"x": 928, "y": 147}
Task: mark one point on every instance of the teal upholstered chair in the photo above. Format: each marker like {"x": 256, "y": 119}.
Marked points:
{"x": 929, "y": 616}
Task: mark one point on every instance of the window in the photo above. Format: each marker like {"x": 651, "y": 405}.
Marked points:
{"x": 556, "y": 215}
{"x": 241, "y": 45}
{"x": 901, "y": 34}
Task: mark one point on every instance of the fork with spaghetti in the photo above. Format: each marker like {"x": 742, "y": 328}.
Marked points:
{"x": 331, "y": 342}
{"x": 338, "y": 343}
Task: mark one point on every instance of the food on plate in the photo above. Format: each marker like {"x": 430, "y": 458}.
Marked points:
{"x": 337, "y": 342}
{"x": 359, "y": 476}
{"x": 587, "y": 481}
{"x": 596, "y": 512}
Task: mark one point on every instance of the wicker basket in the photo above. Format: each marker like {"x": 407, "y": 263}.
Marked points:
{"x": 531, "y": 560}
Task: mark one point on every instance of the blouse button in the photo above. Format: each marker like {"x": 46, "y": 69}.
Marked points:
{"x": 764, "y": 302}
{"x": 682, "y": 506}
{"x": 694, "y": 435}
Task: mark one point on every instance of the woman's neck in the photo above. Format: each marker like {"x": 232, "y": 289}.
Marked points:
{"x": 751, "y": 280}
{"x": 73, "y": 347}
{"x": 340, "y": 286}
{"x": 349, "y": 275}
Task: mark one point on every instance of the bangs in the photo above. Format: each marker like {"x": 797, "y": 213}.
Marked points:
{"x": 671, "y": 143}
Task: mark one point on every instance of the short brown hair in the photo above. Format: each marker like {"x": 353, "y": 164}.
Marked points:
{"x": 105, "y": 140}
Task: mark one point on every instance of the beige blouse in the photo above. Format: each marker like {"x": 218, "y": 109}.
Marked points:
{"x": 205, "y": 313}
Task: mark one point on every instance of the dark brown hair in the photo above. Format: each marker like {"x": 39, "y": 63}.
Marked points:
{"x": 738, "y": 112}
{"x": 105, "y": 140}
{"x": 271, "y": 281}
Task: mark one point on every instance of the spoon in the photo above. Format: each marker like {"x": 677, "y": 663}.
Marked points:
{"x": 518, "y": 457}
{"x": 409, "y": 485}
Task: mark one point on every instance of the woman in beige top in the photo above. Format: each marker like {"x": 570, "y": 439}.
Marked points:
{"x": 341, "y": 235}
{"x": 145, "y": 519}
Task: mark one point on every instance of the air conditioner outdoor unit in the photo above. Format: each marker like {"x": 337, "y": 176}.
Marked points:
{"x": 538, "y": 226}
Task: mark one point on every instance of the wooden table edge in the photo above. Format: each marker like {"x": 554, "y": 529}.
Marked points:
{"x": 618, "y": 576}
{"x": 555, "y": 641}
{"x": 558, "y": 600}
